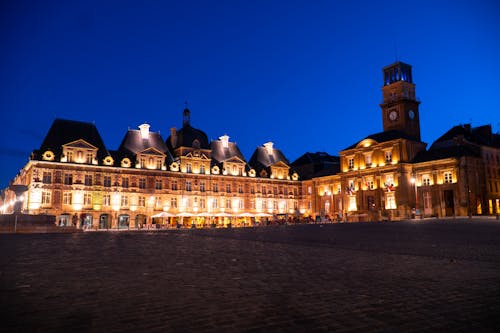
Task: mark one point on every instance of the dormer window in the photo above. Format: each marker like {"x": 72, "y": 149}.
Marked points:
{"x": 196, "y": 144}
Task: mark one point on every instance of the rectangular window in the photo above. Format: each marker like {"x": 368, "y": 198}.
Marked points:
{"x": 88, "y": 180}
{"x": 47, "y": 178}
{"x": 142, "y": 183}
{"x": 350, "y": 163}
{"x": 215, "y": 187}
{"x": 215, "y": 203}
{"x": 447, "y": 178}
{"x": 87, "y": 199}
{"x": 68, "y": 179}
{"x": 157, "y": 202}
{"x": 158, "y": 164}
{"x": 142, "y": 161}
{"x": 125, "y": 182}
{"x": 188, "y": 186}
{"x": 263, "y": 190}
{"x": 67, "y": 198}
{"x": 275, "y": 190}
{"x": 240, "y": 204}
{"x": 202, "y": 169}
{"x": 370, "y": 185}
{"x": 124, "y": 201}
{"x": 142, "y": 201}
{"x": 46, "y": 198}
{"x": 158, "y": 184}
{"x": 202, "y": 203}
{"x": 240, "y": 188}
{"x": 426, "y": 180}
{"x": 189, "y": 168}
{"x": 107, "y": 181}
{"x": 228, "y": 203}
{"x": 388, "y": 157}
{"x": 106, "y": 200}
{"x": 252, "y": 190}
{"x": 228, "y": 188}
{"x": 202, "y": 186}
{"x": 368, "y": 160}
{"x": 173, "y": 202}
{"x": 69, "y": 155}
{"x": 174, "y": 185}
{"x": 90, "y": 158}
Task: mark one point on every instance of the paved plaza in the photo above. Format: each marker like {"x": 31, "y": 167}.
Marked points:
{"x": 430, "y": 275}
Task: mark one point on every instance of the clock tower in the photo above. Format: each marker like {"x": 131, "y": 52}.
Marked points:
{"x": 400, "y": 106}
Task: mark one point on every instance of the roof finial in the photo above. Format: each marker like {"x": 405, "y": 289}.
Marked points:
{"x": 186, "y": 115}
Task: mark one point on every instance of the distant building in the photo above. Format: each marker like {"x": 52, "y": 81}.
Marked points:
{"x": 391, "y": 175}
{"x": 191, "y": 181}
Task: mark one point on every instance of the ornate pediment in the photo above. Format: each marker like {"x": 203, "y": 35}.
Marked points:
{"x": 151, "y": 151}
{"x": 81, "y": 144}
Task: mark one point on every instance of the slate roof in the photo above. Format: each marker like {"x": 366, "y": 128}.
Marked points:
{"x": 134, "y": 143}
{"x": 261, "y": 159}
{"x": 385, "y": 136}
{"x": 447, "y": 152}
{"x": 481, "y": 135}
{"x": 317, "y": 164}
{"x": 221, "y": 154}
{"x": 64, "y": 131}
{"x": 186, "y": 136}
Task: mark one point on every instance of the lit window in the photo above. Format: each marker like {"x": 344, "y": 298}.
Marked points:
{"x": 87, "y": 199}
{"x": 67, "y": 198}
{"x": 350, "y": 163}
{"x": 106, "y": 200}
{"x": 69, "y": 155}
{"x": 426, "y": 180}
{"x": 46, "y": 196}
{"x": 215, "y": 203}
{"x": 447, "y": 177}
{"x": 202, "y": 169}
{"x": 388, "y": 157}
{"x": 124, "y": 201}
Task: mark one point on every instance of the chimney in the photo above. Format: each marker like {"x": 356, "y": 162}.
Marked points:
{"x": 225, "y": 140}
{"x": 173, "y": 137}
{"x": 144, "y": 128}
{"x": 269, "y": 147}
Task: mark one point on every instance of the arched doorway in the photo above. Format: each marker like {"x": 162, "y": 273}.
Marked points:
{"x": 64, "y": 220}
{"x": 140, "y": 221}
{"x": 104, "y": 221}
{"x": 86, "y": 221}
{"x": 123, "y": 221}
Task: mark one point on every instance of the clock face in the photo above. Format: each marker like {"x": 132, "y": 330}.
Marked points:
{"x": 393, "y": 115}
{"x": 411, "y": 114}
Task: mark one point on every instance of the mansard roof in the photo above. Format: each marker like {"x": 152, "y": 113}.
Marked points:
{"x": 455, "y": 151}
{"x": 386, "y": 136}
{"x": 134, "y": 143}
{"x": 317, "y": 164}
{"x": 481, "y": 135}
{"x": 221, "y": 153}
{"x": 264, "y": 158}
{"x": 64, "y": 131}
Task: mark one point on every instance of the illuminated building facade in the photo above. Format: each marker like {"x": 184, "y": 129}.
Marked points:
{"x": 191, "y": 181}
{"x": 391, "y": 175}
{"x": 185, "y": 180}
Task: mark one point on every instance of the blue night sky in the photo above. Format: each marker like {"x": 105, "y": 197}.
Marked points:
{"x": 306, "y": 75}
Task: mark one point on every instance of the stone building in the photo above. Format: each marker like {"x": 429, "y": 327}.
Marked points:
{"x": 188, "y": 180}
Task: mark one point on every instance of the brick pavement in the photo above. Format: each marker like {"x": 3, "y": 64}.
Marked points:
{"x": 363, "y": 277}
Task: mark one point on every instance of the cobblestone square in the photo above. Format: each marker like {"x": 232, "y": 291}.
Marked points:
{"x": 430, "y": 275}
